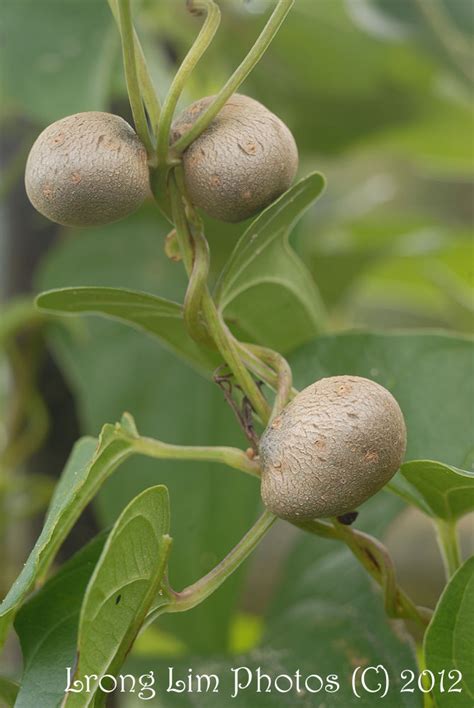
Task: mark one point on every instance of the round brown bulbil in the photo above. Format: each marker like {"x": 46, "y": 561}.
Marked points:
{"x": 241, "y": 163}
{"x": 87, "y": 169}
{"x": 335, "y": 445}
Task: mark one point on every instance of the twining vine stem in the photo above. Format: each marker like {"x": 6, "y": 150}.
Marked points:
{"x": 206, "y": 325}
{"x": 149, "y": 95}
{"x": 200, "y": 45}
{"x": 238, "y": 77}
{"x": 131, "y": 75}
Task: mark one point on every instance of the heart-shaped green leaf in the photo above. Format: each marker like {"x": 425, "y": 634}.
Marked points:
{"x": 449, "y": 642}
{"x": 125, "y": 582}
{"x": 265, "y": 283}
{"x": 150, "y": 313}
{"x": 89, "y": 465}
{"x": 439, "y": 490}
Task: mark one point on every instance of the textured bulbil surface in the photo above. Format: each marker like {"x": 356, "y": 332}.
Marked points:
{"x": 336, "y": 444}
{"x": 86, "y": 169}
{"x": 241, "y": 163}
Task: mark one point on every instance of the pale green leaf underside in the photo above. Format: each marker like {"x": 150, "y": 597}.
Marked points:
{"x": 149, "y": 313}
{"x": 89, "y": 464}
{"x": 124, "y": 584}
{"x": 449, "y": 641}
{"x": 264, "y": 278}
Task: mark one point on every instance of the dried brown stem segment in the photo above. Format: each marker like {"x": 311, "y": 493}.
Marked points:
{"x": 335, "y": 445}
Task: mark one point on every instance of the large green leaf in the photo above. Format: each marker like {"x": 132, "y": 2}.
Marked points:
{"x": 125, "y": 582}
{"x": 449, "y": 641}
{"x": 265, "y": 289}
{"x": 149, "y": 313}
{"x": 47, "y": 627}
{"x": 89, "y": 465}
{"x": 56, "y": 56}
{"x": 425, "y": 372}
{"x": 439, "y": 490}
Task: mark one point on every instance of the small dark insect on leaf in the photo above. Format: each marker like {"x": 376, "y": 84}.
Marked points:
{"x": 349, "y": 518}
{"x": 117, "y": 599}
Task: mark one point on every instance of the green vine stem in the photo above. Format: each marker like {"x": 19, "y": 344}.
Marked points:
{"x": 197, "y": 592}
{"x": 196, "y": 290}
{"x": 131, "y": 76}
{"x": 216, "y": 326}
{"x": 260, "y": 368}
{"x": 375, "y": 558}
{"x": 284, "y": 382}
{"x": 230, "y": 456}
{"x": 195, "y": 255}
{"x": 203, "y": 40}
{"x": 238, "y": 77}
{"x": 148, "y": 92}
{"x": 448, "y": 541}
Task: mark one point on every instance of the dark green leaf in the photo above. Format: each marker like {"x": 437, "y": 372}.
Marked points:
{"x": 124, "y": 584}
{"x": 149, "y": 313}
{"x": 57, "y": 56}
{"x": 425, "y": 372}
{"x": 265, "y": 284}
{"x": 8, "y": 691}
{"x": 439, "y": 490}
{"x": 47, "y": 628}
{"x": 449, "y": 641}
{"x": 89, "y": 465}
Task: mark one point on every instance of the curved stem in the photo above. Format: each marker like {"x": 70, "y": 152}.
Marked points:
{"x": 375, "y": 558}
{"x": 148, "y": 92}
{"x": 200, "y": 45}
{"x": 216, "y": 326}
{"x": 238, "y": 77}
{"x": 196, "y": 263}
{"x": 131, "y": 75}
{"x": 284, "y": 375}
{"x": 196, "y": 290}
{"x": 226, "y": 344}
{"x": 230, "y": 456}
{"x": 197, "y": 592}
{"x": 377, "y": 561}
{"x": 448, "y": 541}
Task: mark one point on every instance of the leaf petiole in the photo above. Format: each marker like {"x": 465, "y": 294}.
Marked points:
{"x": 230, "y": 456}
{"x": 200, "y": 45}
{"x": 238, "y": 77}
{"x": 200, "y": 590}
{"x": 448, "y": 541}
{"x": 131, "y": 75}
